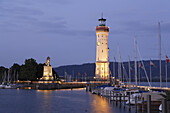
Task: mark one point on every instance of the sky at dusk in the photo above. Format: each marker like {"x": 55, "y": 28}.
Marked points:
{"x": 65, "y": 29}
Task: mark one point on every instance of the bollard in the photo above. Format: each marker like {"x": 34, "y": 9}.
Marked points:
{"x": 124, "y": 102}
{"x": 106, "y": 93}
{"x": 120, "y": 97}
{"x": 110, "y": 95}
{"x": 90, "y": 88}
{"x": 129, "y": 102}
{"x": 142, "y": 104}
{"x": 136, "y": 104}
{"x": 116, "y": 97}
{"x": 113, "y": 95}
{"x": 148, "y": 103}
{"x": 164, "y": 106}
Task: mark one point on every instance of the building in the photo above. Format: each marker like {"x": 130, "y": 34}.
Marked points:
{"x": 102, "y": 51}
{"x": 47, "y": 72}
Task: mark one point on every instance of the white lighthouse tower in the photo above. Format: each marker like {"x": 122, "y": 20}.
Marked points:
{"x": 102, "y": 51}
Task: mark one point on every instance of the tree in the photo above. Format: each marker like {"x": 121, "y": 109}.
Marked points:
{"x": 29, "y": 70}
{"x": 55, "y": 75}
{"x": 39, "y": 73}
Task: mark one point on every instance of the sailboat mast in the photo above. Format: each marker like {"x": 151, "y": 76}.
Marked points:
{"x": 166, "y": 69}
{"x": 17, "y": 77}
{"x": 14, "y": 76}
{"x": 114, "y": 75}
{"x": 121, "y": 69}
{"x": 139, "y": 73}
{"x": 118, "y": 64}
{"x": 166, "y": 66}
{"x": 129, "y": 69}
{"x": 4, "y": 77}
{"x": 73, "y": 75}
{"x": 150, "y": 73}
{"x": 160, "y": 55}
{"x": 8, "y": 75}
{"x": 135, "y": 62}
{"x": 123, "y": 72}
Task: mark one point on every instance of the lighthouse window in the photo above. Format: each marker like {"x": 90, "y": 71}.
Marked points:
{"x": 102, "y": 51}
{"x": 102, "y": 35}
{"x": 98, "y": 35}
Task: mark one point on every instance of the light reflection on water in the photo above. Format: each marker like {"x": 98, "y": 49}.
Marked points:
{"x": 100, "y": 104}
{"x": 54, "y": 101}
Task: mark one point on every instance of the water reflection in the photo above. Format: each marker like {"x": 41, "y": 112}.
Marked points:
{"x": 55, "y": 101}
{"x": 46, "y": 100}
{"x": 100, "y": 105}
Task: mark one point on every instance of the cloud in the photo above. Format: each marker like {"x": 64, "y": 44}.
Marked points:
{"x": 68, "y": 32}
{"x": 20, "y": 17}
{"x": 129, "y": 28}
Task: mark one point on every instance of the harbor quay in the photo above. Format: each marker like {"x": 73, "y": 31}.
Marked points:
{"x": 52, "y": 85}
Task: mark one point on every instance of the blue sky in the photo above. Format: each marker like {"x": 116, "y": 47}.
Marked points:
{"x": 65, "y": 29}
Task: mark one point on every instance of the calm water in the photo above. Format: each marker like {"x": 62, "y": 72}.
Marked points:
{"x": 56, "y": 101}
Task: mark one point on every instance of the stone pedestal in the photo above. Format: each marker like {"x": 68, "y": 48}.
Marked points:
{"x": 47, "y": 73}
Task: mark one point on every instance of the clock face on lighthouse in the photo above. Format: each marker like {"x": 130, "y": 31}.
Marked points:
{"x": 98, "y": 43}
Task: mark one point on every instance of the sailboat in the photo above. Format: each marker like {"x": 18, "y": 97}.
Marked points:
{"x": 3, "y": 82}
{"x": 8, "y": 85}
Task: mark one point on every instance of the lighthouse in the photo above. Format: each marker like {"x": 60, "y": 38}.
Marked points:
{"x": 102, "y": 51}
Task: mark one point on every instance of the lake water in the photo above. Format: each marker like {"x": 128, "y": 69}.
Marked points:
{"x": 55, "y": 101}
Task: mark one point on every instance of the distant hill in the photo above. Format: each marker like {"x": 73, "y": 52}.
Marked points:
{"x": 89, "y": 69}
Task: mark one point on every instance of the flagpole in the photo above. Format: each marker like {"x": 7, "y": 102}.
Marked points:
{"x": 135, "y": 62}
{"x": 113, "y": 66}
{"x": 121, "y": 70}
{"x": 123, "y": 74}
{"x": 166, "y": 73}
{"x": 118, "y": 64}
{"x": 129, "y": 70}
{"x": 150, "y": 73}
{"x": 114, "y": 71}
{"x": 160, "y": 56}
{"x": 82, "y": 77}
